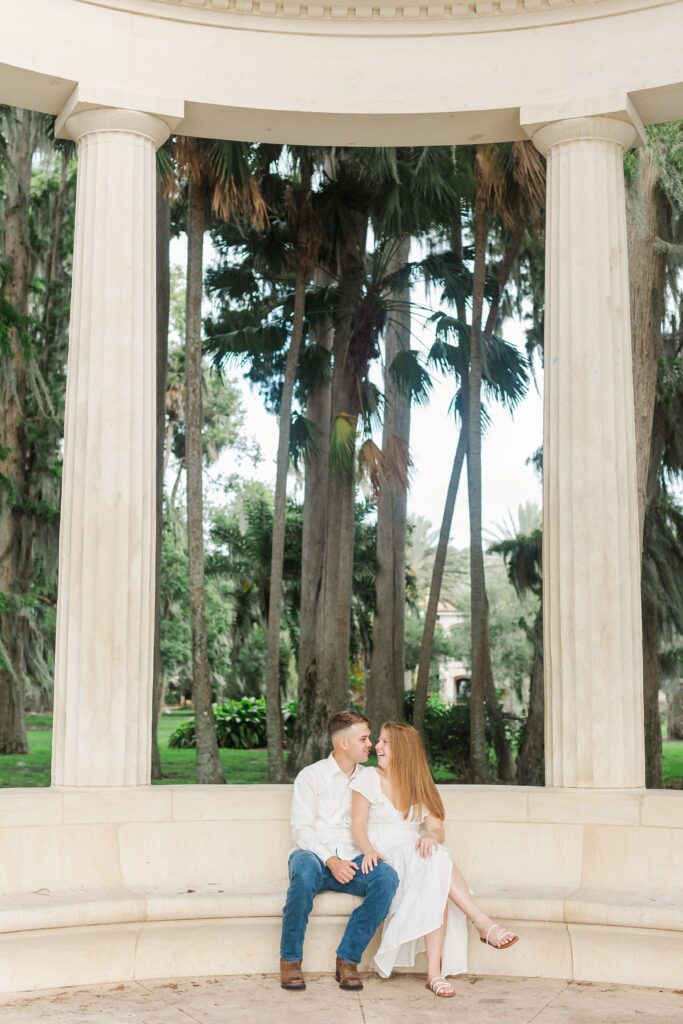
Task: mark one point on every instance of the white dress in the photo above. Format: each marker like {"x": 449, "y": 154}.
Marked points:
{"x": 420, "y": 899}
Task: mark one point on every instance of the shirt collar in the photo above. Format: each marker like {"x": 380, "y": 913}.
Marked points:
{"x": 333, "y": 768}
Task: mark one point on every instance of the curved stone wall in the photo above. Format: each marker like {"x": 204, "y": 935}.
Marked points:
{"x": 114, "y": 885}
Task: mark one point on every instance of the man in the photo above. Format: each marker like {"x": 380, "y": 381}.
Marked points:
{"x": 326, "y": 859}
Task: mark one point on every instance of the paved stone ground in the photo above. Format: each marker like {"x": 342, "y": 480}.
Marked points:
{"x": 258, "y": 999}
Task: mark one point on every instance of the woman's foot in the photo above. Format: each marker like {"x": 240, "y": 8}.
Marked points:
{"x": 440, "y": 987}
{"x": 493, "y": 934}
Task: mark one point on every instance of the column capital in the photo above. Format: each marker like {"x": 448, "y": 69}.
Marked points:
{"x": 597, "y": 128}
{"x": 94, "y": 108}
{"x": 115, "y": 119}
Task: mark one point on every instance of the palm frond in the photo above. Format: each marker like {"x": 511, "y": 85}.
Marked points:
{"x": 315, "y": 368}
{"x": 662, "y": 577}
{"x": 343, "y": 443}
{"x": 505, "y": 371}
{"x": 371, "y": 404}
{"x": 303, "y": 440}
{"x": 166, "y": 169}
{"x": 522, "y": 555}
{"x": 411, "y": 378}
{"x": 490, "y": 171}
{"x": 447, "y": 358}
{"x": 245, "y": 342}
{"x": 371, "y": 464}
{"x": 528, "y": 168}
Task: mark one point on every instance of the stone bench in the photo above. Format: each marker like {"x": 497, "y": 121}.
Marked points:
{"x": 115, "y": 885}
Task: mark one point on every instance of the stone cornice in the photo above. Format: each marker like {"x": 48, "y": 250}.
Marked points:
{"x": 453, "y": 16}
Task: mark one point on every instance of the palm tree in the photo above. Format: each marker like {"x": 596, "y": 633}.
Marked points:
{"x": 508, "y": 188}
{"x": 515, "y": 181}
{"x": 385, "y": 686}
{"x": 522, "y": 555}
{"x": 217, "y": 175}
{"x": 505, "y": 380}
{"x": 655, "y": 203}
{"x": 416, "y": 193}
{"x": 304, "y": 258}
{"x": 263, "y": 325}
{"x": 662, "y": 564}
{"x": 163, "y": 239}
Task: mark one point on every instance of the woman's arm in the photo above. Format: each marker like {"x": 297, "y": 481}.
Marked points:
{"x": 433, "y": 835}
{"x": 360, "y": 812}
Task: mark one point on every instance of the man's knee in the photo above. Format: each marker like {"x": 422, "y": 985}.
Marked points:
{"x": 384, "y": 878}
{"x": 305, "y": 870}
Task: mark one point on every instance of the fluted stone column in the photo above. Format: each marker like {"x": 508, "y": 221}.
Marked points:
{"x": 103, "y": 676}
{"x": 591, "y": 550}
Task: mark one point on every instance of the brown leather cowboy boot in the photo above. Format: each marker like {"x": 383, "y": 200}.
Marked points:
{"x": 291, "y": 976}
{"x": 347, "y": 975}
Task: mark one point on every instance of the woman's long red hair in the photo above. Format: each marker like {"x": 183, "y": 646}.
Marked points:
{"x": 411, "y": 778}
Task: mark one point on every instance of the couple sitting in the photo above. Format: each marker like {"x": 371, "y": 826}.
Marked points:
{"x": 378, "y": 833}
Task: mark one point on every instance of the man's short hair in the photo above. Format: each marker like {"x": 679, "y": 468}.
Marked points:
{"x": 342, "y": 720}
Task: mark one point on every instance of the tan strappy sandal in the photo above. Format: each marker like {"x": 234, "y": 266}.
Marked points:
{"x": 440, "y": 987}
{"x": 500, "y": 942}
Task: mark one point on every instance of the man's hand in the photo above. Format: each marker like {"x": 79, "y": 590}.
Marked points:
{"x": 342, "y": 870}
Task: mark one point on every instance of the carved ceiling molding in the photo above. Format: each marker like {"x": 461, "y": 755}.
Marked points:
{"x": 456, "y": 15}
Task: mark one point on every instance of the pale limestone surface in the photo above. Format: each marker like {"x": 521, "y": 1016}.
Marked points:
{"x": 103, "y": 656}
{"x": 347, "y": 72}
{"x": 127, "y": 884}
{"x": 139, "y": 883}
{"x": 121, "y": 90}
{"x": 591, "y": 541}
{"x": 211, "y": 1000}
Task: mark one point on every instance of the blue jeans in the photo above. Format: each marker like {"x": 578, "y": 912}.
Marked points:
{"x": 307, "y": 877}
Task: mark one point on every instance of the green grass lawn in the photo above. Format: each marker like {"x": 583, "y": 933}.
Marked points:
{"x": 673, "y": 765}
{"x": 178, "y": 766}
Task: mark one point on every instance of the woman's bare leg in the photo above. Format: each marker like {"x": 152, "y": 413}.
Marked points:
{"x": 434, "y": 948}
{"x": 460, "y": 894}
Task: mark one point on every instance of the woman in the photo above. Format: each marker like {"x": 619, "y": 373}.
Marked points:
{"x": 397, "y": 815}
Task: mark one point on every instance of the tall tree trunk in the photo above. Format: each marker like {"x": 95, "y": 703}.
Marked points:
{"x": 505, "y": 765}
{"x": 531, "y": 757}
{"x": 422, "y": 685}
{"x": 276, "y": 765}
{"x": 651, "y": 674}
{"x": 13, "y": 552}
{"x": 385, "y": 695}
{"x": 209, "y": 766}
{"x": 646, "y": 264}
{"x": 310, "y": 738}
{"x": 163, "y": 287}
{"x": 651, "y": 620}
{"x": 334, "y": 619}
{"x": 646, "y": 217}
{"x": 479, "y": 769}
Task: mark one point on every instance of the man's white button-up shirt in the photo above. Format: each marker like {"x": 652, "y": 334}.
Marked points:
{"x": 321, "y": 810}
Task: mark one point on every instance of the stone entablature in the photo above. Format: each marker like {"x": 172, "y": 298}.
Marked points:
{"x": 458, "y": 15}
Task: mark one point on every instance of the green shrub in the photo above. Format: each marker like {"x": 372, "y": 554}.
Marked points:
{"x": 240, "y": 725}
{"x": 448, "y": 731}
